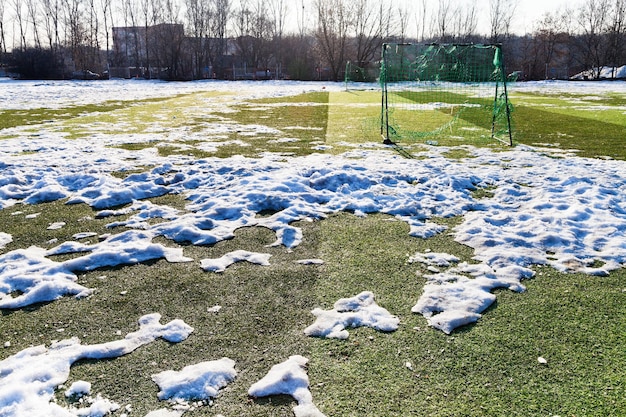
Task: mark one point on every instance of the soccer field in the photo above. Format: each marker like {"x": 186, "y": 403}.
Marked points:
{"x": 238, "y": 214}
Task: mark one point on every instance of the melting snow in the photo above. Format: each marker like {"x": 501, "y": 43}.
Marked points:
{"x": 195, "y": 382}
{"x": 358, "y": 311}
{"x": 569, "y": 213}
{"x": 220, "y": 264}
{"x": 5, "y": 239}
{"x": 289, "y": 378}
{"x": 30, "y": 377}
{"x": 37, "y": 278}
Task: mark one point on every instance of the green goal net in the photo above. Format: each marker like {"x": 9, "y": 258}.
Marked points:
{"x": 449, "y": 92}
{"x": 366, "y": 73}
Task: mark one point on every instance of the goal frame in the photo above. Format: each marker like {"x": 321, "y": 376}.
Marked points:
{"x": 498, "y": 78}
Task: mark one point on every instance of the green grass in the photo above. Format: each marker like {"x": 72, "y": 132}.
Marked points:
{"x": 595, "y": 128}
{"x": 592, "y": 126}
{"x": 489, "y": 368}
{"x": 83, "y": 114}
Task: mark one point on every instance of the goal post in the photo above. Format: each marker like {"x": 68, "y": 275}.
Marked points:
{"x": 435, "y": 92}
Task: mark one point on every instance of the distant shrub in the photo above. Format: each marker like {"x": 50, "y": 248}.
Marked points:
{"x": 37, "y": 64}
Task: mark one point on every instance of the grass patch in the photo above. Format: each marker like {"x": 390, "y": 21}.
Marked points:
{"x": 82, "y": 114}
{"x": 354, "y": 118}
{"x": 28, "y": 224}
{"x": 299, "y": 123}
{"x": 594, "y": 134}
{"x": 17, "y": 117}
{"x": 443, "y": 117}
{"x": 489, "y": 368}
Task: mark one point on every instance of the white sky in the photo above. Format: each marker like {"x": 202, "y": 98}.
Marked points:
{"x": 528, "y": 12}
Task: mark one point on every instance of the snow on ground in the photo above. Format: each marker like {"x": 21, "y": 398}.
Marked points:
{"x": 569, "y": 213}
{"x": 358, "y": 311}
{"x": 36, "y": 278}
{"x": 201, "y": 381}
{"x": 288, "y": 378}
{"x": 30, "y": 377}
{"x": 220, "y": 264}
{"x": 58, "y": 94}
{"x": 5, "y": 239}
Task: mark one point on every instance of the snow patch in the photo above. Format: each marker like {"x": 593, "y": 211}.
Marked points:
{"x": 289, "y": 378}
{"x": 28, "y": 276}
{"x": 220, "y": 264}
{"x": 5, "y": 239}
{"x": 457, "y": 296}
{"x": 30, "y": 377}
{"x": 195, "y": 382}
{"x": 358, "y": 311}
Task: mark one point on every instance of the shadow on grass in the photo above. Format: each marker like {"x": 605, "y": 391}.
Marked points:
{"x": 593, "y": 138}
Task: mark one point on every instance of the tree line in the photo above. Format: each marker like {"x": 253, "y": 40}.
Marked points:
{"x": 296, "y": 39}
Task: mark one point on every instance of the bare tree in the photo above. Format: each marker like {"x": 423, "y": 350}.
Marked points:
{"x": 422, "y": 21}
{"x": 169, "y": 43}
{"x": 278, "y": 12}
{"x": 219, "y": 16}
{"x": 148, "y": 12}
{"x": 93, "y": 34}
{"x": 501, "y": 14}
{"x": 3, "y": 42}
{"x": 466, "y": 20}
{"x": 443, "y": 19}
{"x": 106, "y": 7}
{"x": 403, "y": 14}
{"x": 302, "y": 20}
{"x": 333, "y": 26}
{"x": 198, "y": 15}
{"x": 592, "y": 18}
{"x": 19, "y": 16}
{"x": 549, "y": 40}
{"x": 52, "y": 21}
{"x": 32, "y": 7}
{"x": 300, "y": 62}
{"x": 370, "y": 23}
{"x": 74, "y": 31}
{"x": 616, "y": 35}
{"x": 253, "y": 29}
{"x": 130, "y": 18}
{"x": 278, "y": 15}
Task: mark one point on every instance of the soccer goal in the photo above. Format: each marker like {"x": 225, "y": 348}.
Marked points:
{"x": 438, "y": 92}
